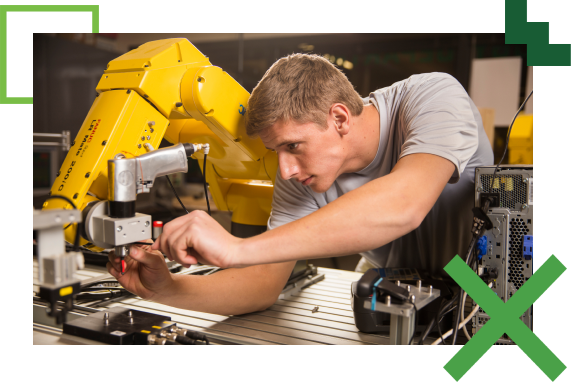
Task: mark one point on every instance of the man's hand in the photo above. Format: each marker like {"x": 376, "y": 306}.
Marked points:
{"x": 197, "y": 237}
{"x": 146, "y": 273}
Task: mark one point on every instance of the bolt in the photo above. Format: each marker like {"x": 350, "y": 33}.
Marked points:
{"x": 106, "y": 318}
{"x": 75, "y": 196}
{"x": 408, "y": 288}
{"x": 148, "y": 137}
{"x": 119, "y": 229}
{"x": 430, "y": 289}
{"x": 152, "y": 130}
{"x": 524, "y": 207}
{"x": 147, "y": 223}
{"x": 128, "y": 91}
{"x": 139, "y": 145}
{"x": 397, "y": 282}
{"x": 142, "y": 138}
{"x": 412, "y": 298}
{"x": 388, "y": 301}
{"x": 151, "y": 123}
{"x": 87, "y": 175}
{"x": 131, "y": 320}
{"x": 199, "y": 79}
{"x": 480, "y": 189}
{"x": 103, "y": 143}
{"x": 419, "y": 284}
{"x": 72, "y": 143}
{"x": 179, "y": 104}
{"x": 59, "y": 172}
{"x": 525, "y": 180}
{"x": 130, "y": 313}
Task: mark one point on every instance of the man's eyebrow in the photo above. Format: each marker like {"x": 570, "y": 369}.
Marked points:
{"x": 283, "y": 143}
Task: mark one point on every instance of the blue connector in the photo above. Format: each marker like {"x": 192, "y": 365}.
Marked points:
{"x": 482, "y": 246}
{"x": 528, "y": 247}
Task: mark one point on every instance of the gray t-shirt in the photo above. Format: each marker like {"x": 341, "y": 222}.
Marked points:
{"x": 426, "y": 113}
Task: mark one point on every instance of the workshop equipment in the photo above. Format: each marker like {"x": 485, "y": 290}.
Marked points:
{"x": 169, "y": 89}
{"x": 506, "y": 254}
{"x": 402, "y": 302}
{"x": 56, "y": 267}
{"x": 114, "y": 223}
{"x": 521, "y": 141}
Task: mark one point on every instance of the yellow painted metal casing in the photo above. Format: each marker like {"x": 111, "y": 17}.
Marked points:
{"x": 118, "y": 122}
{"x": 169, "y": 88}
{"x": 521, "y": 141}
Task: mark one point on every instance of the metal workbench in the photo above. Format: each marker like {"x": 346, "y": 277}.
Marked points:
{"x": 319, "y": 314}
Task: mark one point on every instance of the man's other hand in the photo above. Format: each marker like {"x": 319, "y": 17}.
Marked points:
{"x": 198, "y": 238}
{"x": 146, "y": 273}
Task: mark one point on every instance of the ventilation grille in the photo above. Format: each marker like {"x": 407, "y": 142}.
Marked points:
{"x": 511, "y": 188}
{"x": 518, "y": 228}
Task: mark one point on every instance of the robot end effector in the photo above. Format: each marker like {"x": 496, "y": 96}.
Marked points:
{"x": 114, "y": 223}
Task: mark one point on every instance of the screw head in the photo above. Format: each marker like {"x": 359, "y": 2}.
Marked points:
{"x": 103, "y": 143}
{"x": 523, "y": 207}
{"x": 72, "y": 143}
{"x": 128, "y": 91}
{"x": 147, "y": 224}
{"x": 87, "y": 175}
{"x": 525, "y": 180}
{"x": 75, "y": 196}
{"x": 152, "y": 130}
{"x": 142, "y": 138}
{"x": 480, "y": 189}
{"x": 119, "y": 229}
{"x": 148, "y": 138}
{"x": 139, "y": 145}
{"x": 59, "y": 172}
{"x": 179, "y": 104}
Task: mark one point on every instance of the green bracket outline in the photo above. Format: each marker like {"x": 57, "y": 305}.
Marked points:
{"x": 4, "y": 9}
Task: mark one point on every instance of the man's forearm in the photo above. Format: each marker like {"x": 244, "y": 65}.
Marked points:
{"x": 363, "y": 219}
{"x": 228, "y": 292}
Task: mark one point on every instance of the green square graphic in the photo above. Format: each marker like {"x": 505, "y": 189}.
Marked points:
{"x": 4, "y": 9}
{"x": 535, "y": 35}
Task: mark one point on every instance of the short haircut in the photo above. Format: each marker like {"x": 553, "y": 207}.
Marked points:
{"x": 300, "y": 88}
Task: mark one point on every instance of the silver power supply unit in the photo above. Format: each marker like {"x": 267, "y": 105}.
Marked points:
{"x": 508, "y": 246}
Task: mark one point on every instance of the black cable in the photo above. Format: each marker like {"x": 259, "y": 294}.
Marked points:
{"x": 507, "y": 141}
{"x": 197, "y": 336}
{"x": 205, "y": 187}
{"x": 63, "y": 198}
{"x": 175, "y": 194}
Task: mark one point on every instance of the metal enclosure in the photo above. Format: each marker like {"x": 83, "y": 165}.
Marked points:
{"x": 512, "y": 220}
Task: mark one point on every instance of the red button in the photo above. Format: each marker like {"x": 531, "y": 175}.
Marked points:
{"x": 157, "y": 224}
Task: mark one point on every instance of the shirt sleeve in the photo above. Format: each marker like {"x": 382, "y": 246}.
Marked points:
{"x": 439, "y": 119}
{"x": 291, "y": 201}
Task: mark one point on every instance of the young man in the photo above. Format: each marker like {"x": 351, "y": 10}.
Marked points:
{"x": 390, "y": 176}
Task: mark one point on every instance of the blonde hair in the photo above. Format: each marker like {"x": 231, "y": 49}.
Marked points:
{"x": 302, "y": 88}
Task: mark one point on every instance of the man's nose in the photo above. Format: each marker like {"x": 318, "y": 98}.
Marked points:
{"x": 288, "y": 167}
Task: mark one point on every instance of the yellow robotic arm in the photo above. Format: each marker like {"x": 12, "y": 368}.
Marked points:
{"x": 168, "y": 89}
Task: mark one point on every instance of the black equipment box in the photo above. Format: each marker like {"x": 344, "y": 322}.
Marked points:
{"x": 124, "y": 326}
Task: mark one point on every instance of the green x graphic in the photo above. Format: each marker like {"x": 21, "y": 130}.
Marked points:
{"x": 504, "y": 318}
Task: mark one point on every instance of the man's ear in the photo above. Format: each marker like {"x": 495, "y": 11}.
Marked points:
{"x": 340, "y": 118}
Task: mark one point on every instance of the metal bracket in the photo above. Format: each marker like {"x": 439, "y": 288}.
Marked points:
{"x": 403, "y": 315}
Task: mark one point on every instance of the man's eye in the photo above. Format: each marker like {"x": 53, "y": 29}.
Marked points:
{"x": 293, "y": 146}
